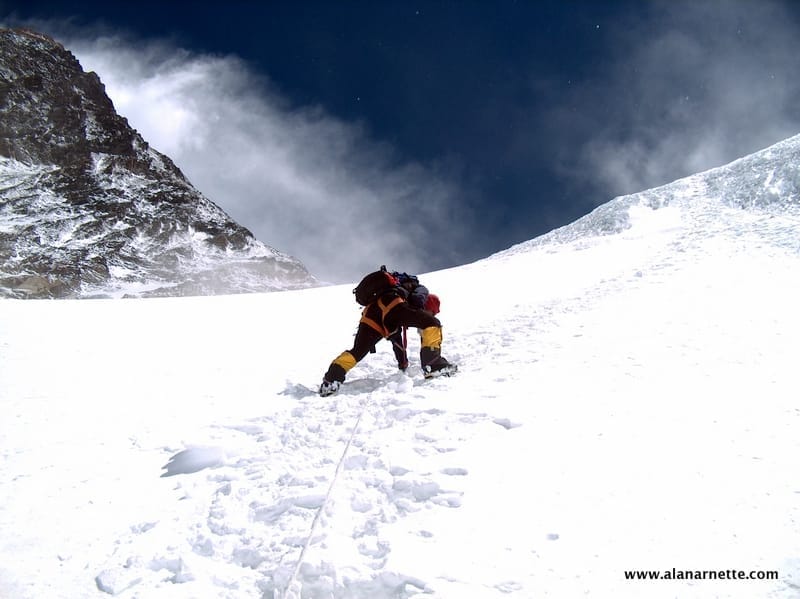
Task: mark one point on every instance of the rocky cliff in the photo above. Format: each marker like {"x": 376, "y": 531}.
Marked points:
{"x": 88, "y": 208}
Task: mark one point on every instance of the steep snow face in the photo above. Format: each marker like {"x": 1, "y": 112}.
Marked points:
{"x": 623, "y": 424}
{"x": 765, "y": 185}
{"x": 87, "y": 208}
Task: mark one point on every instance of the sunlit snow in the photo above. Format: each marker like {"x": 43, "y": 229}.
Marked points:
{"x": 627, "y": 400}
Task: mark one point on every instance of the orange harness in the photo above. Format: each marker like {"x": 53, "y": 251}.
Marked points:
{"x": 384, "y": 311}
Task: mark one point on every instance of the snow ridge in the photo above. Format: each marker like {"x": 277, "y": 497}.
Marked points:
{"x": 765, "y": 184}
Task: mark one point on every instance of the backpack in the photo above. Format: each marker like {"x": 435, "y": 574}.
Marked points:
{"x": 374, "y": 285}
{"x": 403, "y": 278}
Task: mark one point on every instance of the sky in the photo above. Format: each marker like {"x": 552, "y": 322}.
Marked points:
{"x": 142, "y": 455}
{"x": 430, "y": 134}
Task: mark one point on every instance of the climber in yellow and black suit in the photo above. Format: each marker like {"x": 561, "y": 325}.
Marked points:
{"x": 379, "y": 320}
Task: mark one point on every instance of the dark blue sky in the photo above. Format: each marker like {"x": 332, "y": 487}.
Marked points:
{"x": 535, "y": 112}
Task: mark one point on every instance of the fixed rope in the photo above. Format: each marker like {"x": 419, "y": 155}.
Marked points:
{"x": 294, "y": 587}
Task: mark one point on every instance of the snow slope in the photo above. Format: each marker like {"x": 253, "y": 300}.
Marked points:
{"x": 627, "y": 401}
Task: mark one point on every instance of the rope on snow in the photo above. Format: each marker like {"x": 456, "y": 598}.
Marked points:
{"x": 294, "y": 587}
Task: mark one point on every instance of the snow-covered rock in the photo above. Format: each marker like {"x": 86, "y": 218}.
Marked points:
{"x": 88, "y": 208}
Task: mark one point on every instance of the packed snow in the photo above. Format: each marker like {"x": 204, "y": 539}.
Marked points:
{"x": 626, "y": 401}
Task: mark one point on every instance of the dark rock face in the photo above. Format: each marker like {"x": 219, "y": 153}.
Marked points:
{"x": 88, "y": 209}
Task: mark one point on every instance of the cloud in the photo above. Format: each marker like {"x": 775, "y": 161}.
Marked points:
{"x": 302, "y": 181}
{"x": 688, "y": 86}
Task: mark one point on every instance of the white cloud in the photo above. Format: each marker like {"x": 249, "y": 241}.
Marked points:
{"x": 690, "y": 86}
{"x": 301, "y": 180}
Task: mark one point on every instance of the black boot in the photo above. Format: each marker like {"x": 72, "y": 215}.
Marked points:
{"x": 328, "y": 387}
{"x": 433, "y": 364}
